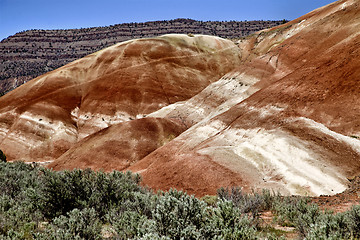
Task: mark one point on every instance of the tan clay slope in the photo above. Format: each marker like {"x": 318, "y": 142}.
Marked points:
{"x": 298, "y": 134}
{"x": 42, "y": 119}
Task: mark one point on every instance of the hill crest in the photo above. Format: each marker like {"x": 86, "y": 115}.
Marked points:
{"x": 31, "y": 53}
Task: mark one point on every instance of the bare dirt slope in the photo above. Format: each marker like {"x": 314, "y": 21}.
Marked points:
{"x": 298, "y": 134}
{"x": 44, "y": 118}
{"x": 279, "y": 110}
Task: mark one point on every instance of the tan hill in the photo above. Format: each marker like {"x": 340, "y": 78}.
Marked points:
{"x": 31, "y": 53}
{"x": 278, "y": 110}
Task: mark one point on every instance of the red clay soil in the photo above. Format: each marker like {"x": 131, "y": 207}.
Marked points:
{"x": 315, "y": 77}
{"x": 343, "y": 201}
{"x": 322, "y": 69}
{"x": 307, "y": 97}
{"x": 195, "y": 174}
{"x": 119, "y": 146}
{"x": 42, "y": 119}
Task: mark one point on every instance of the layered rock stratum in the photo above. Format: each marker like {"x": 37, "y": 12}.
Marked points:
{"x": 31, "y": 53}
{"x": 278, "y": 110}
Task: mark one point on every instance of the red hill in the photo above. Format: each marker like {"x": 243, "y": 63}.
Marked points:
{"x": 278, "y": 110}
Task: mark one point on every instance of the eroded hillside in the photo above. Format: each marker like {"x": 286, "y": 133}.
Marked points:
{"x": 127, "y": 81}
{"x": 31, "y": 53}
{"x": 278, "y": 110}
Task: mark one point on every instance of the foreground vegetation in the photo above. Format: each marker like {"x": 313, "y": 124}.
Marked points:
{"x": 37, "y": 203}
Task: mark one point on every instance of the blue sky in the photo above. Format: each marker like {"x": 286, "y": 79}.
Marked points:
{"x": 19, "y": 15}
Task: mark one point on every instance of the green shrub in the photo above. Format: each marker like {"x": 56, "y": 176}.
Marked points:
{"x": 130, "y": 224}
{"x": 64, "y": 191}
{"x": 15, "y": 177}
{"x": 312, "y": 223}
{"x": 31, "y": 194}
{"x": 353, "y": 220}
{"x": 247, "y": 203}
{"x": 297, "y": 212}
{"x": 112, "y": 189}
{"x": 178, "y": 215}
{"x": 307, "y": 217}
{"x": 19, "y": 216}
{"x": 132, "y": 218}
{"x": 78, "y": 224}
{"x": 329, "y": 226}
{"x": 154, "y": 236}
{"x": 19, "y": 221}
{"x": 37, "y": 203}
{"x": 210, "y": 200}
{"x": 226, "y": 222}
{"x": 2, "y": 155}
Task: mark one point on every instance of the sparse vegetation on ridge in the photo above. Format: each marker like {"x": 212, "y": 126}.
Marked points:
{"x": 38, "y": 203}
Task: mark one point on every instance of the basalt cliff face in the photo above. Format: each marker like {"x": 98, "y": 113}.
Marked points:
{"x": 279, "y": 110}
{"x": 31, "y": 53}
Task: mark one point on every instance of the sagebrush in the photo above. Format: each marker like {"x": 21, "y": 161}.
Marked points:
{"x": 38, "y": 203}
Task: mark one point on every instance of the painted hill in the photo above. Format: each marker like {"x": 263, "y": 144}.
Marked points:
{"x": 31, "y": 53}
{"x": 280, "y": 110}
{"x": 46, "y": 116}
